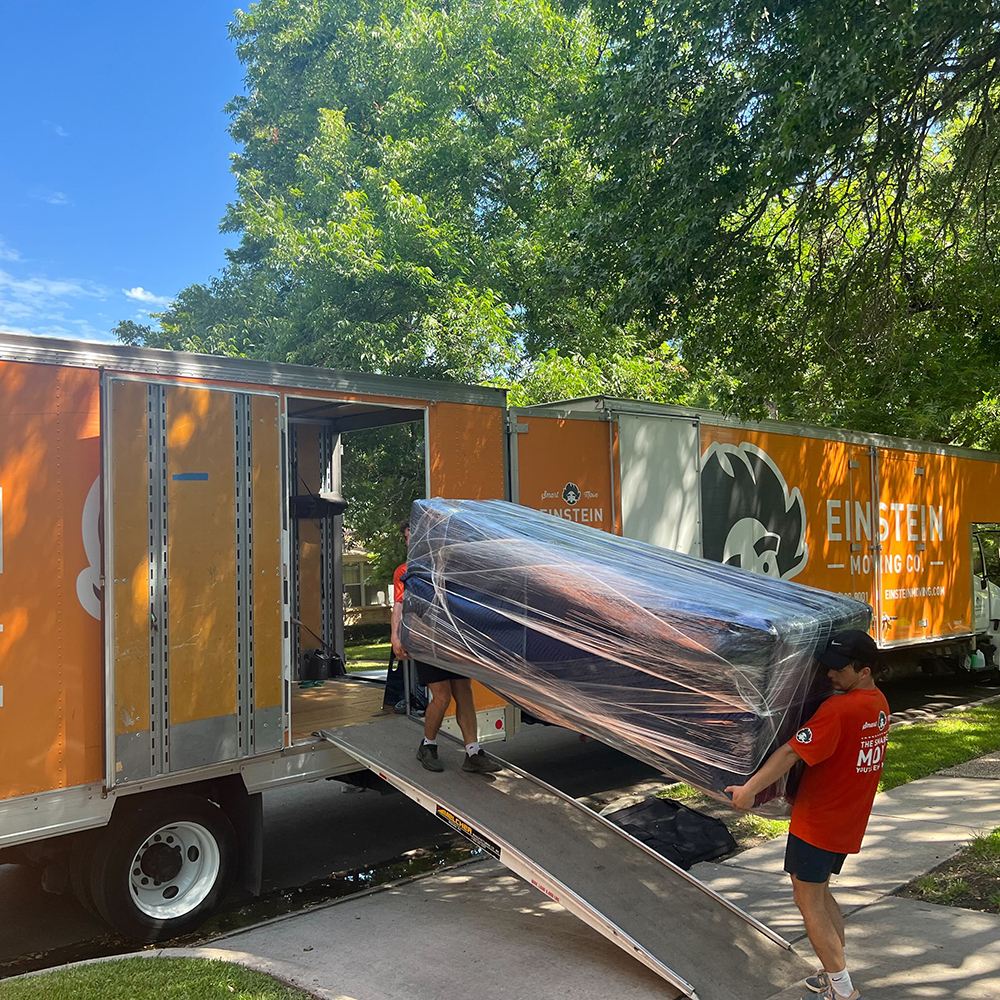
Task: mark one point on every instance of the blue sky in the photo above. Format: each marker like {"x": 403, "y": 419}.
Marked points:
{"x": 114, "y": 158}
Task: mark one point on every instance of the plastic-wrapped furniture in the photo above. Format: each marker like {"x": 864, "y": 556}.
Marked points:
{"x": 695, "y": 667}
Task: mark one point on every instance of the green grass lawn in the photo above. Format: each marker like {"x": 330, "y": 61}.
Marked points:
{"x": 368, "y": 656}
{"x": 971, "y": 879}
{"x": 925, "y": 747}
{"x": 151, "y": 979}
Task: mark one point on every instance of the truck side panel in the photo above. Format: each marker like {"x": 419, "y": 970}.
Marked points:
{"x": 885, "y": 525}
{"x": 465, "y": 452}
{"x": 564, "y": 467}
{"x": 51, "y": 710}
{"x": 764, "y": 506}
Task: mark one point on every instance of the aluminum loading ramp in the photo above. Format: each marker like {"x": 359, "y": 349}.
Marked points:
{"x": 694, "y": 938}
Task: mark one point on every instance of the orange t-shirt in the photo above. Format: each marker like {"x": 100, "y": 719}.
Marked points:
{"x": 397, "y": 583}
{"x": 844, "y": 745}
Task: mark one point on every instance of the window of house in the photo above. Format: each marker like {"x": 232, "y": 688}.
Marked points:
{"x": 354, "y": 585}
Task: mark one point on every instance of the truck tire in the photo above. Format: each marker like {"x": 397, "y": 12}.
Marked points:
{"x": 164, "y": 865}
{"x": 81, "y": 860}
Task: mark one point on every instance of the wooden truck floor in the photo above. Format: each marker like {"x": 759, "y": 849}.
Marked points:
{"x": 341, "y": 701}
{"x": 693, "y": 937}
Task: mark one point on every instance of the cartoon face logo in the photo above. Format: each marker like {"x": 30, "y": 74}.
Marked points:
{"x": 88, "y": 583}
{"x": 751, "y": 518}
{"x": 882, "y": 720}
{"x": 571, "y": 494}
{"x": 804, "y": 735}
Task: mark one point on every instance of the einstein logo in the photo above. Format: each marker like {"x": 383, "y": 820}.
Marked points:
{"x": 751, "y": 519}
{"x": 882, "y": 720}
{"x": 804, "y": 736}
{"x": 571, "y": 494}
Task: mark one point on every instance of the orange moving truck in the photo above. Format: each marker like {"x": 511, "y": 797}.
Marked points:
{"x": 170, "y": 554}
{"x": 907, "y": 526}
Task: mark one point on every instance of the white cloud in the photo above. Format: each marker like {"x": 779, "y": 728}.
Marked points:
{"x": 8, "y": 253}
{"x": 49, "y": 196}
{"x": 140, "y": 294}
{"x": 57, "y": 128}
{"x": 45, "y": 306}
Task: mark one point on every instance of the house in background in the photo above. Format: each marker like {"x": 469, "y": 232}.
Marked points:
{"x": 366, "y": 601}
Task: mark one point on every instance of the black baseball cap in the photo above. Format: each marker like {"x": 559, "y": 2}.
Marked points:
{"x": 845, "y": 648}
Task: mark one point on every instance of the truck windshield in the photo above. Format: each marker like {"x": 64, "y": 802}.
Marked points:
{"x": 988, "y": 550}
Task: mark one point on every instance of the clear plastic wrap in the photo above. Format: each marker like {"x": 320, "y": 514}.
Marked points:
{"x": 697, "y": 668}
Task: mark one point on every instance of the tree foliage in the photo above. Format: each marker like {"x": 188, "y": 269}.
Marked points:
{"x": 775, "y": 209}
{"x": 805, "y": 194}
{"x": 404, "y": 170}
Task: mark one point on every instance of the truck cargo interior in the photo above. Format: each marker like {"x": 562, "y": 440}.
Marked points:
{"x": 319, "y": 432}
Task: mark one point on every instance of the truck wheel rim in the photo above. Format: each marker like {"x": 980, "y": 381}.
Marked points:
{"x": 174, "y": 870}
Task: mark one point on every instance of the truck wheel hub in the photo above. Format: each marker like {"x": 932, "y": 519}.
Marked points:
{"x": 174, "y": 870}
{"x": 162, "y": 863}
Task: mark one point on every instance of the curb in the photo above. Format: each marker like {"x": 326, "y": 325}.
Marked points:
{"x": 280, "y": 971}
{"x": 952, "y": 710}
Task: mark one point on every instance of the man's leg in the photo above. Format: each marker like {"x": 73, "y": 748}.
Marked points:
{"x": 825, "y": 933}
{"x": 836, "y": 916}
{"x": 434, "y": 715}
{"x": 427, "y": 752}
{"x": 465, "y": 708}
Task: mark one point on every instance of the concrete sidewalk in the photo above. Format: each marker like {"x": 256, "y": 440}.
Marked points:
{"x": 897, "y": 948}
{"x": 479, "y": 931}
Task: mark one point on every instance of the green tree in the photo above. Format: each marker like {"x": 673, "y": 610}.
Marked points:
{"x": 803, "y": 194}
{"x": 405, "y": 172}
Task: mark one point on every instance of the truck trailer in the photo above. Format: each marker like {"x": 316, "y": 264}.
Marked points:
{"x": 909, "y": 527}
{"x": 170, "y": 554}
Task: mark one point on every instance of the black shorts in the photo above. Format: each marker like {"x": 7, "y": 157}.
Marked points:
{"x": 811, "y": 864}
{"x": 427, "y": 673}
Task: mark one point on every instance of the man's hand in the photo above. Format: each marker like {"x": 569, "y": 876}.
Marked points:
{"x": 397, "y": 648}
{"x": 742, "y": 797}
{"x": 775, "y": 767}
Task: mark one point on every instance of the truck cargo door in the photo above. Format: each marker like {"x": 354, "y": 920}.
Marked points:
{"x": 923, "y": 575}
{"x": 194, "y": 629}
{"x": 986, "y": 579}
{"x": 861, "y": 523}
{"x": 564, "y": 466}
{"x": 660, "y": 480}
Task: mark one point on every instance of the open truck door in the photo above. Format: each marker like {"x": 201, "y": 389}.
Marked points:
{"x": 194, "y": 609}
{"x": 986, "y": 591}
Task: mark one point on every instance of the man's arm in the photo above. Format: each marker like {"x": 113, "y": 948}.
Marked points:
{"x": 775, "y": 767}
{"x": 397, "y": 644}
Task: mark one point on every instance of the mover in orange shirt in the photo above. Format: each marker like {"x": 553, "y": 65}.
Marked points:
{"x": 843, "y": 746}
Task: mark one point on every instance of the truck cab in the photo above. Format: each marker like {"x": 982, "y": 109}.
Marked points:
{"x": 986, "y": 585}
